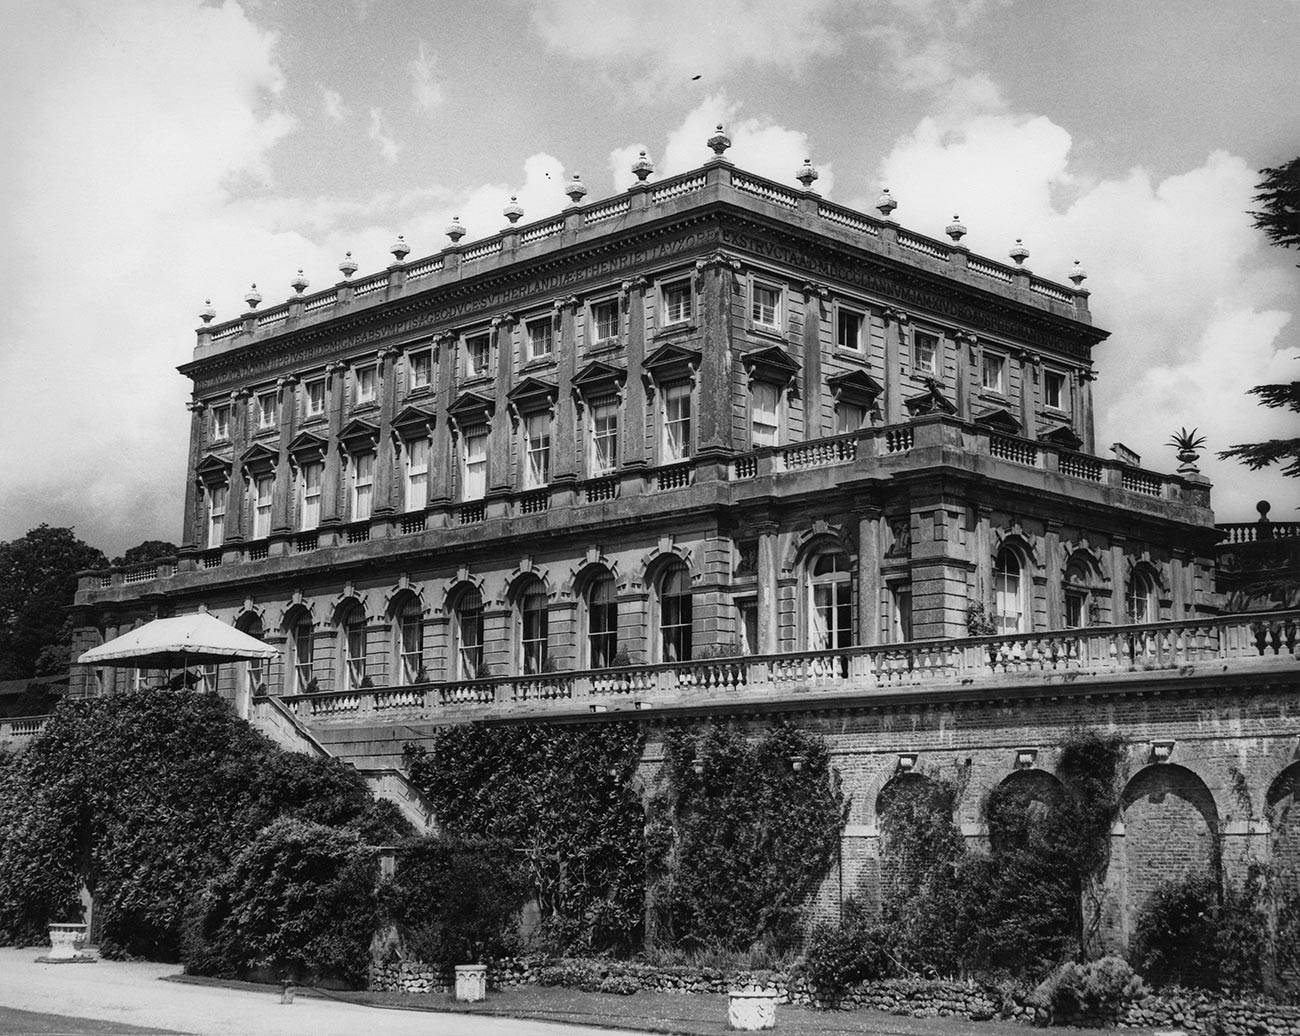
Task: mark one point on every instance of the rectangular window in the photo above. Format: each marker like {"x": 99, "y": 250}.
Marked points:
{"x": 993, "y": 372}
{"x": 314, "y": 397}
{"x": 478, "y": 355}
{"x": 421, "y": 369}
{"x": 216, "y": 515}
{"x": 925, "y": 352}
{"x": 221, "y": 421}
{"x": 473, "y": 473}
{"x": 901, "y": 598}
{"x": 1054, "y": 393}
{"x": 764, "y": 407}
{"x": 677, "y": 302}
{"x": 604, "y": 323}
{"x": 677, "y": 422}
{"x": 417, "y": 474}
{"x": 267, "y": 417}
{"x": 765, "y": 306}
{"x": 539, "y": 337}
{"x": 849, "y": 417}
{"x": 1076, "y": 609}
{"x": 363, "y": 485}
{"x": 848, "y": 330}
{"x": 309, "y": 486}
{"x": 537, "y": 467}
{"x": 747, "y": 625}
{"x": 604, "y": 437}
{"x": 263, "y": 490}
{"x": 367, "y": 384}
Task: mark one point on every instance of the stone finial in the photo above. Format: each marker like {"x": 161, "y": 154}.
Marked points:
{"x": 1263, "y": 507}
{"x": 956, "y": 229}
{"x": 806, "y": 174}
{"x": 207, "y": 312}
{"x": 253, "y": 297}
{"x": 1019, "y": 253}
{"x": 348, "y": 267}
{"x": 454, "y": 230}
{"x": 514, "y": 211}
{"x": 886, "y": 203}
{"x": 1078, "y": 274}
{"x": 400, "y": 248}
{"x": 300, "y": 283}
{"x": 576, "y": 190}
{"x": 719, "y": 142}
{"x": 642, "y": 168}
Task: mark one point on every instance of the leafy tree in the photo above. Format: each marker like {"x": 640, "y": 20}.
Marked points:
{"x": 1279, "y": 219}
{"x": 149, "y": 550}
{"x": 38, "y": 579}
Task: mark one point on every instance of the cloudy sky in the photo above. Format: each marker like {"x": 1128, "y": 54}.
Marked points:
{"x": 159, "y": 152}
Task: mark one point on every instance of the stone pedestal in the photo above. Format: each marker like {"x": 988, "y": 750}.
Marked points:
{"x": 64, "y": 939}
{"x": 471, "y": 983}
{"x": 751, "y": 1010}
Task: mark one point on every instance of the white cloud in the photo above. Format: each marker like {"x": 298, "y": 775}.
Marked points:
{"x": 1188, "y": 288}
{"x": 382, "y": 135}
{"x": 332, "y": 103}
{"x": 426, "y": 90}
{"x": 757, "y": 144}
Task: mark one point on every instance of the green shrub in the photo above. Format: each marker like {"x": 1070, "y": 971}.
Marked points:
{"x": 623, "y": 985}
{"x": 1098, "y": 990}
{"x": 456, "y": 901}
{"x": 840, "y": 956}
{"x": 299, "y": 903}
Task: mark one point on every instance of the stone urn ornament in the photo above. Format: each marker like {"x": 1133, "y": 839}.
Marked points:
{"x": 1188, "y": 444}
{"x": 751, "y": 1010}
{"x": 64, "y": 939}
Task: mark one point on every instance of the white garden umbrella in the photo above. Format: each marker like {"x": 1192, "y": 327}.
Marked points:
{"x": 199, "y": 639}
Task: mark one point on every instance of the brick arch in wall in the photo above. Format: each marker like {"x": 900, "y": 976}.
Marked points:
{"x": 900, "y": 864}
{"x": 1282, "y": 808}
{"x": 1171, "y": 830}
{"x": 1018, "y": 807}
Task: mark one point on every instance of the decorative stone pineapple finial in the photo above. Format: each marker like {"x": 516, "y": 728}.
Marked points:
{"x": 1078, "y": 275}
{"x": 300, "y": 283}
{"x": 1019, "y": 253}
{"x": 719, "y": 142}
{"x": 576, "y": 190}
{"x": 642, "y": 167}
{"x": 806, "y": 174}
{"x": 514, "y": 211}
{"x": 348, "y": 267}
{"x": 956, "y": 229}
{"x": 400, "y": 248}
{"x": 454, "y": 230}
{"x": 253, "y": 297}
{"x": 207, "y": 312}
{"x": 886, "y": 203}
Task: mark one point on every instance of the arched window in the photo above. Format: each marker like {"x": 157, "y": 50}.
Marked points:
{"x": 1010, "y": 593}
{"x": 531, "y": 606}
{"x": 830, "y": 601}
{"x": 602, "y": 621}
{"x": 469, "y": 635}
{"x": 1141, "y": 597}
{"x": 300, "y": 652}
{"x": 353, "y": 632}
{"x": 675, "y": 614}
{"x": 410, "y": 639}
{"x": 1080, "y": 604}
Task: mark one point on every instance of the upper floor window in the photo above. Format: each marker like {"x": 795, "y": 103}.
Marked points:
{"x": 604, "y": 322}
{"x": 765, "y": 306}
{"x": 1054, "y": 390}
{"x": 309, "y": 492}
{"x": 478, "y": 355}
{"x": 849, "y": 417}
{"x": 263, "y": 491}
{"x": 416, "y": 465}
{"x": 1141, "y": 600}
{"x": 830, "y": 601}
{"x": 354, "y": 648}
{"x": 900, "y": 597}
{"x": 1081, "y": 577}
{"x": 539, "y": 338}
{"x": 362, "y": 475}
{"x": 676, "y": 422}
{"x": 1010, "y": 593}
{"x": 604, "y": 436}
{"x": 421, "y": 369}
{"x": 675, "y": 614}
{"x": 410, "y": 639}
{"x": 468, "y": 631}
{"x": 367, "y": 384}
{"x": 300, "y": 653}
{"x": 993, "y": 372}
{"x": 314, "y": 397}
{"x": 537, "y": 449}
{"x": 216, "y": 515}
{"x": 221, "y": 421}
{"x": 849, "y": 326}
{"x": 677, "y": 301}
{"x": 925, "y": 352}
{"x": 764, "y": 410}
{"x": 533, "y": 627}
{"x": 602, "y": 621}
{"x": 266, "y": 411}
{"x": 473, "y": 463}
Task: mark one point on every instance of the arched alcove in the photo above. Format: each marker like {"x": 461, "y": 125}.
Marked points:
{"x": 1171, "y": 830}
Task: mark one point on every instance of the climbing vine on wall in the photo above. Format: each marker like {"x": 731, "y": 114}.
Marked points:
{"x": 736, "y": 849}
{"x": 565, "y": 798}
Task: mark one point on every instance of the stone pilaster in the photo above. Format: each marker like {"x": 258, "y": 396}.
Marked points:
{"x": 282, "y": 497}
{"x": 331, "y": 503}
{"x": 1030, "y": 375}
{"x": 240, "y": 437}
{"x": 895, "y": 320}
{"x": 441, "y": 461}
{"x": 768, "y": 562}
{"x": 816, "y": 300}
{"x": 385, "y": 499}
{"x": 564, "y": 431}
{"x": 633, "y": 442}
{"x": 1085, "y": 429}
{"x": 869, "y": 580}
{"x": 189, "y": 529}
{"x": 501, "y": 441}
{"x": 716, "y": 277}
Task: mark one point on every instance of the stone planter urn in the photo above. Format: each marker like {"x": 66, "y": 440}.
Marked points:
{"x": 64, "y": 939}
{"x": 471, "y": 983}
{"x": 751, "y": 1009}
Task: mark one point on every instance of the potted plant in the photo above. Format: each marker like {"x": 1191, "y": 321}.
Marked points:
{"x": 1188, "y": 444}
